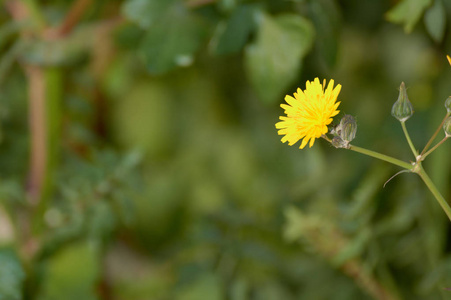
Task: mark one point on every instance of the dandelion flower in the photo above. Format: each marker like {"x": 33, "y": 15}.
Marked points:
{"x": 309, "y": 112}
{"x": 449, "y": 59}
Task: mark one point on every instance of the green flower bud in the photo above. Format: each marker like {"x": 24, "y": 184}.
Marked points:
{"x": 402, "y": 109}
{"x": 348, "y": 128}
{"x": 448, "y": 104}
{"x": 447, "y": 126}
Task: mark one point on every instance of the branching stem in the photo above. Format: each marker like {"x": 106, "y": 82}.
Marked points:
{"x": 423, "y": 156}
{"x": 435, "y": 134}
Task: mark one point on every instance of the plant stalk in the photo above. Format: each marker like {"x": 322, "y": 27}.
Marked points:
{"x": 431, "y": 186}
{"x": 406, "y": 133}
{"x": 435, "y": 134}
{"x": 381, "y": 156}
{"x": 423, "y": 156}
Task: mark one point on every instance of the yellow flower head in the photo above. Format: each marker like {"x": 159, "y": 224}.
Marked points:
{"x": 449, "y": 59}
{"x": 309, "y": 112}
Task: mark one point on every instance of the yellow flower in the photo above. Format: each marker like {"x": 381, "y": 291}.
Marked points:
{"x": 309, "y": 112}
{"x": 449, "y": 59}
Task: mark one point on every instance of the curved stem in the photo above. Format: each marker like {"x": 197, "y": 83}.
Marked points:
{"x": 383, "y": 157}
{"x": 423, "y": 156}
{"x": 445, "y": 206}
{"x": 435, "y": 134}
{"x": 406, "y": 133}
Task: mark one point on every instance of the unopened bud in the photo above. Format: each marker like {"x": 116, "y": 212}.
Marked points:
{"x": 448, "y": 104}
{"x": 447, "y": 127}
{"x": 348, "y": 128}
{"x": 402, "y": 109}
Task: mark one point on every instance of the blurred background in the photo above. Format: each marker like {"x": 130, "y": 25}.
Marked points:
{"x": 139, "y": 157}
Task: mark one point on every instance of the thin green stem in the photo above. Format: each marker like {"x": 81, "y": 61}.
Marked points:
{"x": 423, "y": 156}
{"x": 445, "y": 206}
{"x": 439, "y": 128}
{"x": 406, "y": 133}
{"x": 383, "y": 157}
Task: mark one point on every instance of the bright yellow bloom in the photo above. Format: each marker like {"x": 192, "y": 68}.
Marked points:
{"x": 309, "y": 112}
{"x": 449, "y": 59}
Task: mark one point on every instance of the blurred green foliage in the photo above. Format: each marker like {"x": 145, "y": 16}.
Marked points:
{"x": 165, "y": 177}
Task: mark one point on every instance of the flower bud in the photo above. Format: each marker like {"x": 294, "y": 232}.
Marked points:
{"x": 448, "y": 104}
{"x": 447, "y": 127}
{"x": 402, "y": 109}
{"x": 348, "y": 128}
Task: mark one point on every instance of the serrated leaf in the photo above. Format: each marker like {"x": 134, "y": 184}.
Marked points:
{"x": 273, "y": 62}
{"x": 231, "y": 35}
{"x": 11, "y": 276}
{"x": 146, "y": 12}
{"x": 325, "y": 17}
{"x": 408, "y": 13}
{"x": 172, "y": 42}
{"x": 435, "y": 21}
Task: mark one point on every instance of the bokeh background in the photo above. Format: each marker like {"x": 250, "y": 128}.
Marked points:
{"x": 139, "y": 157}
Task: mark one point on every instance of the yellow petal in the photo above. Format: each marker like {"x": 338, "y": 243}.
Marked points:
{"x": 309, "y": 112}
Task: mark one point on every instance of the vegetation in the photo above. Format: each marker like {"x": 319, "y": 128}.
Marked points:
{"x": 139, "y": 157}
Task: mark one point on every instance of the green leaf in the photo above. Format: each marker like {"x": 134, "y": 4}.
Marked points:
{"x": 408, "y": 13}
{"x": 231, "y": 35}
{"x": 172, "y": 42}
{"x": 325, "y": 17}
{"x": 72, "y": 273}
{"x": 11, "y": 276}
{"x": 146, "y": 12}
{"x": 435, "y": 21}
{"x": 273, "y": 62}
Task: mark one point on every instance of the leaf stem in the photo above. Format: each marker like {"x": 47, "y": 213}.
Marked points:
{"x": 435, "y": 134}
{"x": 406, "y": 133}
{"x": 381, "y": 156}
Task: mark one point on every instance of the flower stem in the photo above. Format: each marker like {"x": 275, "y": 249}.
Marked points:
{"x": 383, "y": 157}
{"x": 434, "y": 135}
{"x": 416, "y": 168}
{"x": 406, "y": 133}
{"x": 445, "y": 206}
{"x": 423, "y": 156}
